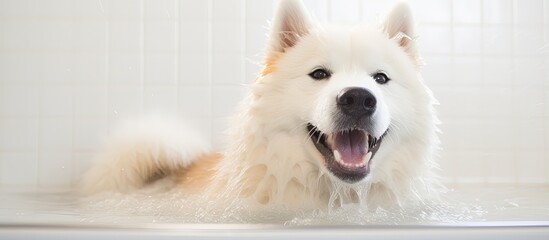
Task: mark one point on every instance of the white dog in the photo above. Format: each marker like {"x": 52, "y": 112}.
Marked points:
{"x": 338, "y": 115}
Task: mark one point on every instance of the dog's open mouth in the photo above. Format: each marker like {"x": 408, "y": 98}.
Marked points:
{"x": 348, "y": 154}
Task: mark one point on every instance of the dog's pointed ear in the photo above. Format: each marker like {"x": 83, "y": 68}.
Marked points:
{"x": 399, "y": 25}
{"x": 291, "y": 22}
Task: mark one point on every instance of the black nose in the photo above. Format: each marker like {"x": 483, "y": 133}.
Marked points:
{"x": 356, "y": 102}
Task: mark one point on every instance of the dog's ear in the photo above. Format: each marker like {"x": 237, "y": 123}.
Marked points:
{"x": 291, "y": 22}
{"x": 399, "y": 25}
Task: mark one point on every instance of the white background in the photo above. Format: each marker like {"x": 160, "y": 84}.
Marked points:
{"x": 69, "y": 70}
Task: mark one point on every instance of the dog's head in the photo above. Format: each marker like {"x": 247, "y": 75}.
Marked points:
{"x": 354, "y": 94}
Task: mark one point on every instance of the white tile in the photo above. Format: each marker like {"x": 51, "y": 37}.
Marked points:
{"x": 376, "y": 10}
{"x": 345, "y": 11}
{"x": 160, "y": 9}
{"x": 160, "y": 100}
{"x": 475, "y": 102}
{"x": 89, "y": 35}
{"x": 497, "y": 40}
{"x": 159, "y": 37}
{"x": 124, "y": 9}
{"x": 55, "y": 68}
{"x": 467, "y": 11}
{"x": 546, "y": 74}
{"x": 529, "y": 134}
{"x": 528, "y": 72}
{"x": 18, "y": 134}
{"x": 125, "y": 36}
{"x": 476, "y": 134}
{"x": 90, "y": 9}
{"x": 467, "y": 70}
{"x": 531, "y": 167}
{"x": 467, "y": 40}
{"x": 19, "y": 100}
{"x": 192, "y": 10}
{"x": 90, "y": 101}
{"x": 89, "y": 133}
{"x": 256, "y": 39}
{"x": 432, "y": 11}
{"x": 195, "y": 101}
{"x": 225, "y": 99}
{"x": 56, "y": 101}
{"x": 498, "y": 71}
{"x": 12, "y": 65}
{"x": 55, "y": 169}
{"x": 498, "y": 11}
{"x": 226, "y": 38}
{"x": 56, "y": 134}
{"x": 546, "y": 130}
{"x": 529, "y": 40}
{"x": 529, "y": 102}
{"x": 23, "y": 35}
{"x": 546, "y": 21}
{"x": 125, "y": 69}
{"x": 318, "y": 9}
{"x": 219, "y": 128}
{"x": 471, "y": 167}
{"x": 259, "y": 11}
{"x": 125, "y": 101}
{"x": 194, "y": 69}
{"x": 19, "y": 168}
{"x": 252, "y": 71}
{"x": 81, "y": 163}
{"x": 27, "y": 9}
{"x": 501, "y": 167}
{"x": 89, "y": 69}
{"x": 226, "y": 69}
{"x": 160, "y": 68}
{"x": 449, "y": 166}
{"x": 227, "y": 11}
{"x": 47, "y": 67}
{"x": 529, "y": 12}
{"x": 437, "y": 70}
{"x": 435, "y": 39}
{"x": 193, "y": 38}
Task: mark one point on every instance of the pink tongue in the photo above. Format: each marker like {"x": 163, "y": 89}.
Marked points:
{"x": 351, "y": 145}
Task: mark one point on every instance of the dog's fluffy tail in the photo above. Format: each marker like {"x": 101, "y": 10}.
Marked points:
{"x": 141, "y": 152}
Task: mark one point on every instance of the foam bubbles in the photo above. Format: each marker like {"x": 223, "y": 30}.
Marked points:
{"x": 177, "y": 207}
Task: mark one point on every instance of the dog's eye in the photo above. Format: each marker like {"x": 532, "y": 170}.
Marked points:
{"x": 320, "y": 74}
{"x": 381, "y": 78}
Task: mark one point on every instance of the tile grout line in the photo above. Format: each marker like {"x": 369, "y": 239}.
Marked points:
{"x": 107, "y": 69}
{"x": 513, "y": 75}
{"x": 72, "y": 160}
{"x": 455, "y": 177}
{"x": 545, "y": 97}
{"x": 142, "y": 55}
{"x": 177, "y": 56}
{"x": 243, "y": 48}
{"x": 210, "y": 62}
{"x": 482, "y": 73}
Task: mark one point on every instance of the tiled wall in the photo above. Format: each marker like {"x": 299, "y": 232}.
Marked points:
{"x": 70, "y": 69}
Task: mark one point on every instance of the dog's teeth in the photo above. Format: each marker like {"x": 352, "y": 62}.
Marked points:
{"x": 366, "y": 158}
{"x": 329, "y": 141}
{"x": 337, "y": 156}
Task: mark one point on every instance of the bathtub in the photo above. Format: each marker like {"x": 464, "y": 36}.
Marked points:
{"x": 475, "y": 212}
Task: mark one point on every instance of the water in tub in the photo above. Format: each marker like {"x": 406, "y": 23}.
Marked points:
{"x": 461, "y": 204}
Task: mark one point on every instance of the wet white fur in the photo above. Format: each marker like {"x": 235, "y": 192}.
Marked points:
{"x": 270, "y": 158}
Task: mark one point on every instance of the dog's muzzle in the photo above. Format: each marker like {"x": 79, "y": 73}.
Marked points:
{"x": 348, "y": 150}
